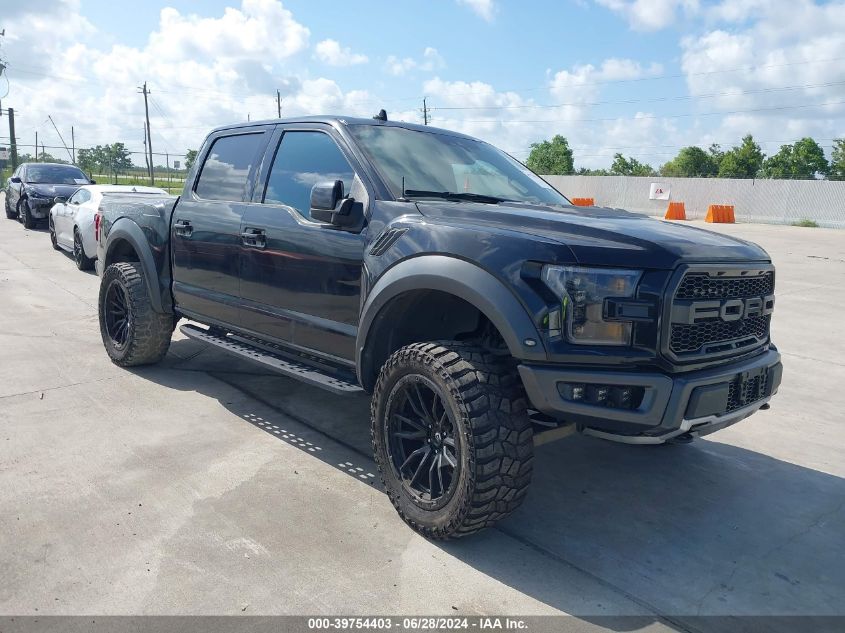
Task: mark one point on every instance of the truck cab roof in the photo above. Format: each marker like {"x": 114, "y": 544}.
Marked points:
{"x": 341, "y": 121}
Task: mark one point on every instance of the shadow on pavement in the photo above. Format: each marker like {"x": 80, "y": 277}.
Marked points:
{"x": 706, "y": 529}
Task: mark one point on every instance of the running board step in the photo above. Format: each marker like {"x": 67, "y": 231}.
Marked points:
{"x": 285, "y": 366}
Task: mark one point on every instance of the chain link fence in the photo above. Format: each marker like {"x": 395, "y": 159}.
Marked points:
{"x": 762, "y": 201}
{"x": 169, "y": 169}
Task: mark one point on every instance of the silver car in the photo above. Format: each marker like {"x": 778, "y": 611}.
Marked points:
{"x": 72, "y": 220}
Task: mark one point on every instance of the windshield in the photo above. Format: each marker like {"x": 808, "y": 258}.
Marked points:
{"x": 55, "y": 175}
{"x": 432, "y": 162}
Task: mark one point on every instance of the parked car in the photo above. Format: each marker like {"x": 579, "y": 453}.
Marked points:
{"x": 71, "y": 220}
{"x": 33, "y": 186}
{"x": 463, "y": 291}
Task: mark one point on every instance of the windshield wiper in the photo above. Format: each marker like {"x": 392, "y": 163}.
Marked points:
{"x": 453, "y": 195}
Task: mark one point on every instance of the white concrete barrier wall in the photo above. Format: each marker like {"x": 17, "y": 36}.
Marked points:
{"x": 761, "y": 201}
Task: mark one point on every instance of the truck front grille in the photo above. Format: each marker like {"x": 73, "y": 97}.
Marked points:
{"x": 703, "y": 286}
{"x": 712, "y": 335}
{"x": 691, "y": 338}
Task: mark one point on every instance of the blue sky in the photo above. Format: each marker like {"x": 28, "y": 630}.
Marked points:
{"x": 642, "y": 77}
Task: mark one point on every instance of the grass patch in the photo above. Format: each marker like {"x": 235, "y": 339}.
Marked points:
{"x": 810, "y": 224}
{"x": 173, "y": 184}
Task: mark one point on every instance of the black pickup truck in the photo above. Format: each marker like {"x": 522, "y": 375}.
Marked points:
{"x": 464, "y": 292}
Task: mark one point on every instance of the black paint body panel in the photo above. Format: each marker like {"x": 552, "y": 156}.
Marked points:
{"x": 317, "y": 287}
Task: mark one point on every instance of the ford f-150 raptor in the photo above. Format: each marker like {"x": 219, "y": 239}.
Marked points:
{"x": 460, "y": 289}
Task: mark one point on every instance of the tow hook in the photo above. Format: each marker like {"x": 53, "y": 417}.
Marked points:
{"x": 766, "y": 407}
{"x": 684, "y": 438}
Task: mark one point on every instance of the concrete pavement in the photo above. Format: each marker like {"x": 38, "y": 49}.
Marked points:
{"x": 207, "y": 486}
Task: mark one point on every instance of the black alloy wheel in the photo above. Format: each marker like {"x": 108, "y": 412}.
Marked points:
{"x": 116, "y": 314}
{"x": 83, "y": 262}
{"x": 423, "y": 445}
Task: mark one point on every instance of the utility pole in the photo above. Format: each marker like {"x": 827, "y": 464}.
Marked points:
{"x": 146, "y": 155}
{"x": 149, "y": 142}
{"x": 279, "y": 103}
{"x": 73, "y": 144}
{"x": 425, "y": 112}
{"x": 36, "y": 146}
{"x": 12, "y": 142}
{"x": 60, "y": 135}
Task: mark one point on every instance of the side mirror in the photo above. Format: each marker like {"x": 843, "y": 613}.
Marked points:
{"x": 93, "y": 182}
{"x": 59, "y": 200}
{"x": 15, "y": 180}
{"x": 324, "y": 198}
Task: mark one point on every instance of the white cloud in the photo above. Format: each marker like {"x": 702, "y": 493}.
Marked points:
{"x": 202, "y": 72}
{"x": 582, "y": 83}
{"x": 650, "y": 15}
{"x": 777, "y": 61}
{"x": 330, "y": 52}
{"x": 512, "y": 121}
{"x": 259, "y": 27}
{"x": 483, "y": 8}
{"x": 430, "y": 61}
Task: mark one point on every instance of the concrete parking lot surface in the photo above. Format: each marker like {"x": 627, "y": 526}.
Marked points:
{"x": 208, "y": 486}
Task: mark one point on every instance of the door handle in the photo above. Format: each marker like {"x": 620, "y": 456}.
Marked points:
{"x": 254, "y": 237}
{"x": 183, "y": 228}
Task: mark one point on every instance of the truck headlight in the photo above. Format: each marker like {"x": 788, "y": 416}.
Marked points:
{"x": 582, "y": 293}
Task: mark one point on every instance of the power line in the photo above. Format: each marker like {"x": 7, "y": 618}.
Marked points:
{"x": 647, "y": 100}
{"x": 240, "y": 94}
{"x": 665, "y": 76}
{"x": 655, "y": 116}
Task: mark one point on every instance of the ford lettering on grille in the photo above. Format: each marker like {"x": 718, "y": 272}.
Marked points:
{"x": 719, "y": 311}
{"x": 727, "y": 310}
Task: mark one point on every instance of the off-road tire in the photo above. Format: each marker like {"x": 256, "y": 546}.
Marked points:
{"x": 29, "y": 222}
{"x": 487, "y": 400}
{"x": 148, "y": 332}
{"x": 53, "y": 240}
{"x": 82, "y": 261}
{"x": 10, "y": 213}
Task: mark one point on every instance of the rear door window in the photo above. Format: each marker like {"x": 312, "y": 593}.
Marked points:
{"x": 225, "y": 172}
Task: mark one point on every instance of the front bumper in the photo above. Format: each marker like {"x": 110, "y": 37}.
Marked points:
{"x": 40, "y": 207}
{"x": 697, "y": 402}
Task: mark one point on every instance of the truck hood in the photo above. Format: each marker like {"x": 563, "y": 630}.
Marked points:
{"x": 52, "y": 191}
{"x": 607, "y": 237}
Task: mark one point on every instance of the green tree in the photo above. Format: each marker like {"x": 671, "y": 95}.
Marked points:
{"x": 837, "y": 159}
{"x": 585, "y": 171}
{"x": 693, "y": 162}
{"x": 804, "y": 160}
{"x": 630, "y": 167}
{"x": 190, "y": 158}
{"x": 45, "y": 157}
{"x": 85, "y": 160}
{"x": 105, "y": 159}
{"x": 742, "y": 161}
{"x": 551, "y": 157}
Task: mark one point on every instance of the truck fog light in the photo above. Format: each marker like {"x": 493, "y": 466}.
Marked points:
{"x": 621, "y": 397}
{"x": 597, "y": 393}
{"x": 572, "y": 391}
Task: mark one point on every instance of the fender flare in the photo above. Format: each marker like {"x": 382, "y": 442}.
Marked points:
{"x": 126, "y": 230}
{"x": 462, "y": 279}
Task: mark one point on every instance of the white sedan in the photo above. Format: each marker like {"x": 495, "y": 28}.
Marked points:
{"x": 72, "y": 220}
